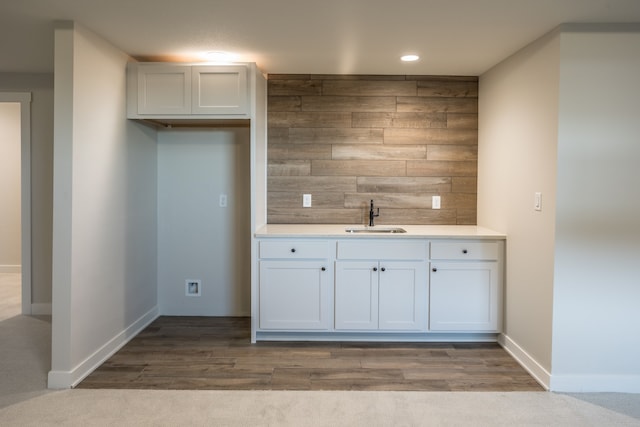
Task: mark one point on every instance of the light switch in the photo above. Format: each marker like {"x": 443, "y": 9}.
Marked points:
{"x": 306, "y": 200}
{"x": 435, "y": 202}
{"x": 222, "y": 201}
{"x": 537, "y": 201}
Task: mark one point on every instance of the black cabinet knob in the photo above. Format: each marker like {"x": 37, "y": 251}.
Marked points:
{"x": 464, "y": 251}
{"x": 323, "y": 269}
{"x": 293, "y": 250}
{"x": 434, "y": 269}
{"x": 375, "y": 268}
{"x": 383, "y": 269}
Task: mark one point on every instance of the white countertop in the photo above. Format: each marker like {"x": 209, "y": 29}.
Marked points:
{"x": 413, "y": 231}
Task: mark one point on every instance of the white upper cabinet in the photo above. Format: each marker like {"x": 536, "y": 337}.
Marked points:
{"x": 177, "y": 91}
{"x": 219, "y": 90}
{"x": 164, "y": 89}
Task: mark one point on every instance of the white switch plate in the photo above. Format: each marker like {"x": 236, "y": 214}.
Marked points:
{"x": 306, "y": 200}
{"x": 537, "y": 201}
{"x": 222, "y": 201}
{"x": 435, "y": 202}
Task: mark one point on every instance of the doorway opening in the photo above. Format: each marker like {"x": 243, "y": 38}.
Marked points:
{"x": 15, "y": 194}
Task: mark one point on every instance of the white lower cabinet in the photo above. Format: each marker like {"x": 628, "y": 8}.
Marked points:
{"x": 414, "y": 286}
{"x": 385, "y": 295}
{"x": 465, "y": 290}
{"x": 294, "y": 295}
{"x": 296, "y": 280}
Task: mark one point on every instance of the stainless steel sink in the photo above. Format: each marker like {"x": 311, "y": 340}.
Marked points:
{"x": 376, "y": 230}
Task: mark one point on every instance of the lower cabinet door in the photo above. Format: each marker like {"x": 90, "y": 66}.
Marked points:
{"x": 464, "y": 296}
{"x": 294, "y": 295}
{"x": 356, "y": 295}
{"x": 402, "y": 296}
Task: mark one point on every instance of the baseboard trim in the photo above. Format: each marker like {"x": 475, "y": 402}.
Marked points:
{"x": 70, "y": 379}
{"x": 10, "y": 269}
{"x": 41, "y": 309}
{"x": 541, "y": 375}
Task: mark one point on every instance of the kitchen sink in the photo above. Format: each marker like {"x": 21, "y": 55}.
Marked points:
{"x": 376, "y": 230}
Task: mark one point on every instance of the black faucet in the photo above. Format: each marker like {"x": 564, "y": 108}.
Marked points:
{"x": 373, "y": 215}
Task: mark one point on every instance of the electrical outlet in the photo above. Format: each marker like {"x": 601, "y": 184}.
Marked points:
{"x": 193, "y": 288}
{"x": 435, "y": 202}
{"x": 222, "y": 200}
{"x": 306, "y": 200}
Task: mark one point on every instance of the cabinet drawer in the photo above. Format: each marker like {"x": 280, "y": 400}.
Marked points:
{"x": 388, "y": 250}
{"x": 294, "y": 249}
{"x": 465, "y": 250}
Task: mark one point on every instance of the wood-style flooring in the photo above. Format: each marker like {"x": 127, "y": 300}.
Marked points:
{"x": 215, "y": 353}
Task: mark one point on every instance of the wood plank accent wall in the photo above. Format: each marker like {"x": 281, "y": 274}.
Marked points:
{"x": 395, "y": 139}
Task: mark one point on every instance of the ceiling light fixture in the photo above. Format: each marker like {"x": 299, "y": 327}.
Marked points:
{"x": 218, "y": 56}
{"x": 409, "y": 58}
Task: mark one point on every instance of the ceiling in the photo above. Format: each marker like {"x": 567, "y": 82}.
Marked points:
{"x": 453, "y": 37}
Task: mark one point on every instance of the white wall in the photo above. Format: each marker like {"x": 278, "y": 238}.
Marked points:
{"x": 10, "y": 189}
{"x": 198, "y": 239}
{"x": 41, "y": 88}
{"x": 596, "y": 328}
{"x": 517, "y": 157}
{"x": 104, "y": 235}
{"x": 561, "y": 117}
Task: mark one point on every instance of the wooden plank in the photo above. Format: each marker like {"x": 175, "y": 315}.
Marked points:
{"x": 431, "y": 136}
{"x": 291, "y": 86}
{"x": 458, "y": 201}
{"x": 388, "y": 200}
{"x": 284, "y": 103}
{"x": 452, "y": 152}
{"x": 440, "y": 168}
{"x": 215, "y": 353}
{"x": 443, "y": 78}
{"x": 322, "y": 200}
{"x": 358, "y": 168}
{"x": 381, "y": 77}
{"x": 448, "y": 89}
{"x": 312, "y": 184}
{"x": 313, "y": 216}
{"x": 367, "y": 184}
{"x": 335, "y": 136}
{"x": 464, "y": 184}
{"x": 298, "y": 152}
{"x": 378, "y": 152}
{"x": 349, "y": 103}
{"x": 407, "y": 104}
{"x": 277, "y": 135}
{"x": 466, "y": 216}
{"x": 289, "y": 167}
{"x": 399, "y": 120}
{"x": 462, "y": 121}
{"x": 369, "y": 88}
{"x": 416, "y": 216}
{"x": 309, "y": 120}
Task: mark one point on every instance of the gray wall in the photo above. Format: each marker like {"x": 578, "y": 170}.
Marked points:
{"x": 560, "y": 117}
{"x": 596, "y": 284}
{"x": 517, "y": 157}
{"x": 198, "y": 239}
{"x": 104, "y": 238}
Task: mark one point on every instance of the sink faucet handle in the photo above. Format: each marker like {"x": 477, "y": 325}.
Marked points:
{"x": 373, "y": 215}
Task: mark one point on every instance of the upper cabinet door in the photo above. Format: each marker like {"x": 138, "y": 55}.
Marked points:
{"x": 219, "y": 89}
{"x": 164, "y": 89}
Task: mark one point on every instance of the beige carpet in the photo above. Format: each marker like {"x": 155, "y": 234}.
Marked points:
{"x": 25, "y": 347}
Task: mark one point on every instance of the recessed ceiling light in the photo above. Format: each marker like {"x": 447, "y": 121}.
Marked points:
{"x": 409, "y": 58}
